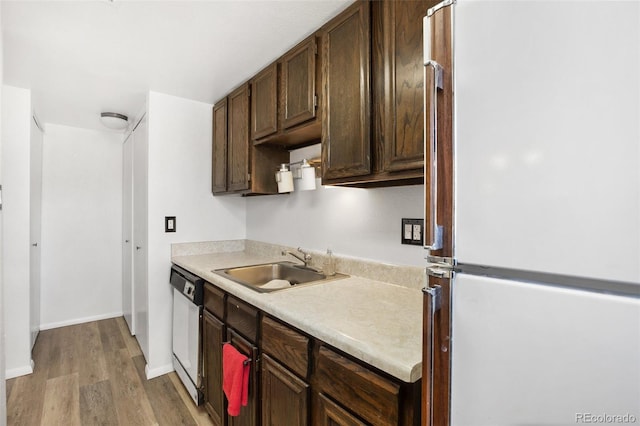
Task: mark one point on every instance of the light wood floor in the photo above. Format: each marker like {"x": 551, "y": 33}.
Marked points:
{"x": 93, "y": 374}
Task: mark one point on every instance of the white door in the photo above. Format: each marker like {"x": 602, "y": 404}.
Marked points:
{"x": 35, "y": 229}
{"x": 127, "y": 233}
{"x": 140, "y": 296}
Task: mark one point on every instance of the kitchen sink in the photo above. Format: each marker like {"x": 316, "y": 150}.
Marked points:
{"x": 269, "y": 277}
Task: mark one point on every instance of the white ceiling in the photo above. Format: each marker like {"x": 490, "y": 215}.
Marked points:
{"x": 80, "y": 58}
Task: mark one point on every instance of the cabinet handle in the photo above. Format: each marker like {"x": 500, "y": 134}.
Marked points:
{"x": 138, "y": 247}
{"x": 35, "y": 244}
{"x": 246, "y": 361}
{"x": 126, "y": 241}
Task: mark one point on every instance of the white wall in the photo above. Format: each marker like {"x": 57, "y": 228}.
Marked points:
{"x": 16, "y": 125}
{"x": 3, "y": 394}
{"x": 180, "y": 185}
{"x": 81, "y": 226}
{"x": 363, "y": 223}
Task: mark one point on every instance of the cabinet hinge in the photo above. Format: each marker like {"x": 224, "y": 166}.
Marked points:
{"x": 249, "y": 92}
{"x": 248, "y": 177}
{"x": 315, "y": 48}
{"x": 315, "y": 101}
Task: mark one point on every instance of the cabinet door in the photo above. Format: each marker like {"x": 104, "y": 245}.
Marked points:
{"x": 264, "y": 102}
{"x": 238, "y": 136}
{"x": 331, "y": 414}
{"x": 285, "y": 398}
{"x": 248, "y": 414}
{"x": 346, "y": 149}
{"x": 212, "y": 340}
{"x": 219, "y": 164}
{"x": 399, "y": 83}
{"x": 299, "y": 83}
{"x": 366, "y": 393}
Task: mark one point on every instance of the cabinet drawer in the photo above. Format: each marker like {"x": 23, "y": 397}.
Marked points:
{"x": 214, "y": 300}
{"x": 374, "y": 398}
{"x": 286, "y": 345}
{"x": 243, "y": 318}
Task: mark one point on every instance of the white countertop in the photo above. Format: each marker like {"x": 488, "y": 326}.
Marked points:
{"x": 376, "y": 322}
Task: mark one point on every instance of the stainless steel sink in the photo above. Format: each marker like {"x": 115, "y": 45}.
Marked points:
{"x": 270, "y": 277}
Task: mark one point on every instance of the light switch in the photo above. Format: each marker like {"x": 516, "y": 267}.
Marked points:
{"x": 169, "y": 224}
{"x": 412, "y": 230}
{"x": 407, "y": 231}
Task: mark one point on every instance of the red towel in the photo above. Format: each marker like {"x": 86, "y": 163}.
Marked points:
{"x": 235, "y": 378}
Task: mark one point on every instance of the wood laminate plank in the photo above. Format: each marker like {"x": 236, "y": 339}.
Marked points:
{"x": 130, "y": 341}
{"x": 96, "y": 405}
{"x": 9, "y": 386}
{"x": 164, "y": 398}
{"x": 118, "y": 394}
{"x": 24, "y": 404}
{"x": 132, "y": 404}
{"x": 92, "y": 367}
{"x": 62, "y": 401}
{"x": 26, "y": 396}
{"x": 199, "y": 414}
{"x": 62, "y": 357}
{"x": 41, "y": 353}
{"x": 110, "y": 334}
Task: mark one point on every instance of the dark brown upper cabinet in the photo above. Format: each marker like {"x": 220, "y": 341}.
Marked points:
{"x": 299, "y": 83}
{"x": 239, "y": 166}
{"x": 219, "y": 166}
{"x": 346, "y": 129}
{"x": 264, "y": 102}
{"x": 398, "y": 94}
{"x": 396, "y": 149}
{"x": 238, "y": 139}
{"x": 285, "y": 99}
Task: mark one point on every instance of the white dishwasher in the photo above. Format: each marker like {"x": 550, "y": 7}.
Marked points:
{"x": 187, "y": 328}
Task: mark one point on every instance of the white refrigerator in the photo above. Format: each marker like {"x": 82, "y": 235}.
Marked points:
{"x": 532, "y": 307}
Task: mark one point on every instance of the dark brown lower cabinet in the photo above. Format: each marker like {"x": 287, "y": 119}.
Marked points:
{"x": 249, "y": 415}
{"x": 296, "y": 380}
{"x": 213, "y": 337}
{"x": 365, "y": 393}
{"x": 331, "y": 414}
{"x": 285, "y": 397}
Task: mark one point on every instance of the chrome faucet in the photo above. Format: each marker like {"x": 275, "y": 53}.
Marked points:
{"x": 305, "y": 258}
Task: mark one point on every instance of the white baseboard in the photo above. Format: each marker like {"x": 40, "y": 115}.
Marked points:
{"x": 158, "y": 371}
{"x": 79, "y": 321}
{"x": 20, "y": 371}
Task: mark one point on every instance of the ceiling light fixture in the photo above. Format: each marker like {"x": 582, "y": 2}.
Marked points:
{"x": 113, "y": 120}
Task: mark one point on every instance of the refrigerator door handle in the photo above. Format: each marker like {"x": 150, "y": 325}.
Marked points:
{"x": 440, "y": 272}
{"x": 434, "y": 293}
{"x": 431, "y": 306}
{"x": 433, "y": 237}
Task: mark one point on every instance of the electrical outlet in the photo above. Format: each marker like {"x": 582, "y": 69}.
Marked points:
{"x": 169, "y": 224}
{"x": 417, "y": 233}
{"x": 412, "y": 231}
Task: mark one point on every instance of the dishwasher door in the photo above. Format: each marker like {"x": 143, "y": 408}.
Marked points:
{"x": 186, "y": 342}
